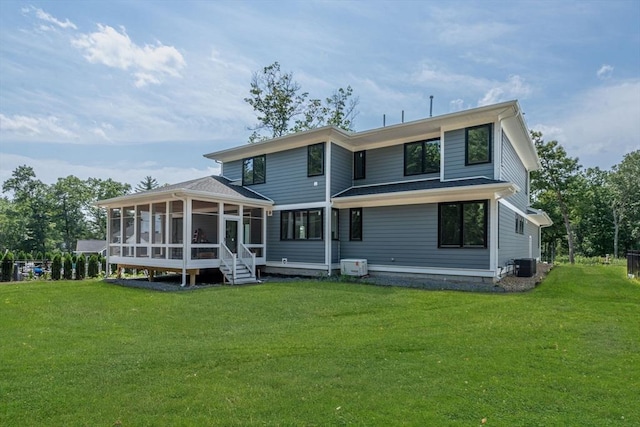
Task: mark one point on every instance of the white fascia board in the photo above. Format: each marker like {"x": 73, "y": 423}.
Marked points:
{"x": 476, "y": 192}
{"x": 158, "y": 196}
{"x": 287, "y": 142}
{"x": 298, "y": 206}
{"x": 430, "y": 127}
{"x": 541, "y": 219}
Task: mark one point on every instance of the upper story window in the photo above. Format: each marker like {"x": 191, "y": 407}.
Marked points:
{"x": 478, "y": 144}
{"x": 462, "y": 225}
{"x": 359, "y": 164}
{"x": 422, "y": 157}
{"x": 253, "y": 170}
{"x": 315, "y": 159}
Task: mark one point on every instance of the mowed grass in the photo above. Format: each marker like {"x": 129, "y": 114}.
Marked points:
{"x": 320, "y": 353}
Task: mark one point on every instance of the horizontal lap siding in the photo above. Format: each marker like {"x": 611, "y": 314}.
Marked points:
{"x": 454, "y": 158}
{"x": 286, "y": 178}
{"x": 307, "y": 251}
{"x": 232, "y": 170}
{"x": 341, "y": 169}
{"x": 387, "y": 165}
{"x": 511, "y": 244}
{"x": 513, "y": 170}
{"x": 409, "y": 235}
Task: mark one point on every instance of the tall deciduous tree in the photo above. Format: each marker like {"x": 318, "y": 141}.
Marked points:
{"x": 31, "y": 206}
{"x": 102, "y": 190}
{"x": 282, "y": 109}
{"x": 625, "y": 188}
{"x": 558, "y": 175}
{"x": 70, "y": 198}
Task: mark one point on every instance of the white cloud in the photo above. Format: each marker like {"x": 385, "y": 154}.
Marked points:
{"x": 44, "y": 16}
{"x": 115, "y": 49}
{"x": 131, "y": 172}
{"x": 456, "y": 105}
{"x": 605, "y": 72}
{"x": 601, "y": 125}
{"x": 514, "y": 88}
{"x": 42, "y": 126}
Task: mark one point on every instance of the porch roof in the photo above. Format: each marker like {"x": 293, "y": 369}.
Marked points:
{"x": 206, "y": 188}
{"x": 423, "y": 191}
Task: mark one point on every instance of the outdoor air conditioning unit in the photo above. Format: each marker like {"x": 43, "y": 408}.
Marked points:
{"x": 354, "y": 267}
{"x": 525, "y": 267}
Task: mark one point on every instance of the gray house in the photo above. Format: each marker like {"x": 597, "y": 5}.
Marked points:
{"x": 446, "y": 196}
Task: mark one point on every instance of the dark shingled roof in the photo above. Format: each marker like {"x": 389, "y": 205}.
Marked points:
{"x": 399, "y": 187}
{"x": 214, "y": 185}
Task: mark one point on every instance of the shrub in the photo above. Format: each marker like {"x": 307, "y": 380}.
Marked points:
{"x": 68, "y": 267}
{"x": 80, "y": 268}
{"x": 56, "y": 266}
{"x": 94, "y": 266}
{"x": 7, "y": 267}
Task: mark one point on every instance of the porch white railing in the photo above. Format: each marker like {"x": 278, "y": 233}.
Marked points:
{"x": 228, "y": 259}
{"x": 248, "y": 258}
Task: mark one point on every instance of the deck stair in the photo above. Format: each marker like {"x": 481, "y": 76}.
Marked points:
{"x": 238, "y": 269}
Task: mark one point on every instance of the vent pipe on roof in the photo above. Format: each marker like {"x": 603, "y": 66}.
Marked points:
{"x": 402, "y": 116}
{"x": 384, "y": 120}
{"x": 430, "y": 105}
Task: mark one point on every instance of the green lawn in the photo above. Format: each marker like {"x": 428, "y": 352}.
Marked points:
{"x": 320, "y": 353}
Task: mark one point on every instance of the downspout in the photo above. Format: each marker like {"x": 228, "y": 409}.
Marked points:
{"x": 494, "y": 254}
{"x": 327, "y": 210}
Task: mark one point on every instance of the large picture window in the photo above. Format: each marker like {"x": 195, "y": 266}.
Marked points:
{"x": 462, "y": 225}
{"x": 422, "y": 157}
{"x": 478, "y": 145}
{"x": 355, "y": 224}
{"x": 254, "y": 170}
{"x": 301, "y": 225}
{"x": 315, "y": 159}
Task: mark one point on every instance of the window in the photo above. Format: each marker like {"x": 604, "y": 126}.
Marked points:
{"x": 301, "y": 225}
{"x": 519, "y": 224}
{"x": 478, "y": 145}
{"x": 422, "y": 157}
{"x": 355, "y": 224}
{"x": 315, "y": 159}
{"x": 462, "y": 225}
{"x": 359, "y": 162}
{"x": 253, "y": 170}
{"x": 335, "y": 224}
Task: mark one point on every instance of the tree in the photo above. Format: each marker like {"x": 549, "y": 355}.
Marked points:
{"x": 558, "y": 176}
{"x": 282, "y": 109}
{"x": 625, "y": 204}
{"x": 148, "y": 183}
{"x": 70, "y": 199}
{"x": 56, "y": 267}
{"x": 102, "y": 190}
{"x": 7, "y": 267}
{"x": 594, "y": 224}
{"x": 31, "y": 208}
{"x": 68, "y": 267}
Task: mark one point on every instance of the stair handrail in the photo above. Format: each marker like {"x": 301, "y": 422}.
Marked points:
{"x": 248, "y": 258}
{"x": 228, "y": 258}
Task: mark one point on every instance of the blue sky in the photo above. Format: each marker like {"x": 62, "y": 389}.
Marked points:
{"x": 126, "y": 89}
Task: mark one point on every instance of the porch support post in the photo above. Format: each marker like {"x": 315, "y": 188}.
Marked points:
{"x": 108, "y": 236}
{"x": 221, "y": 230}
